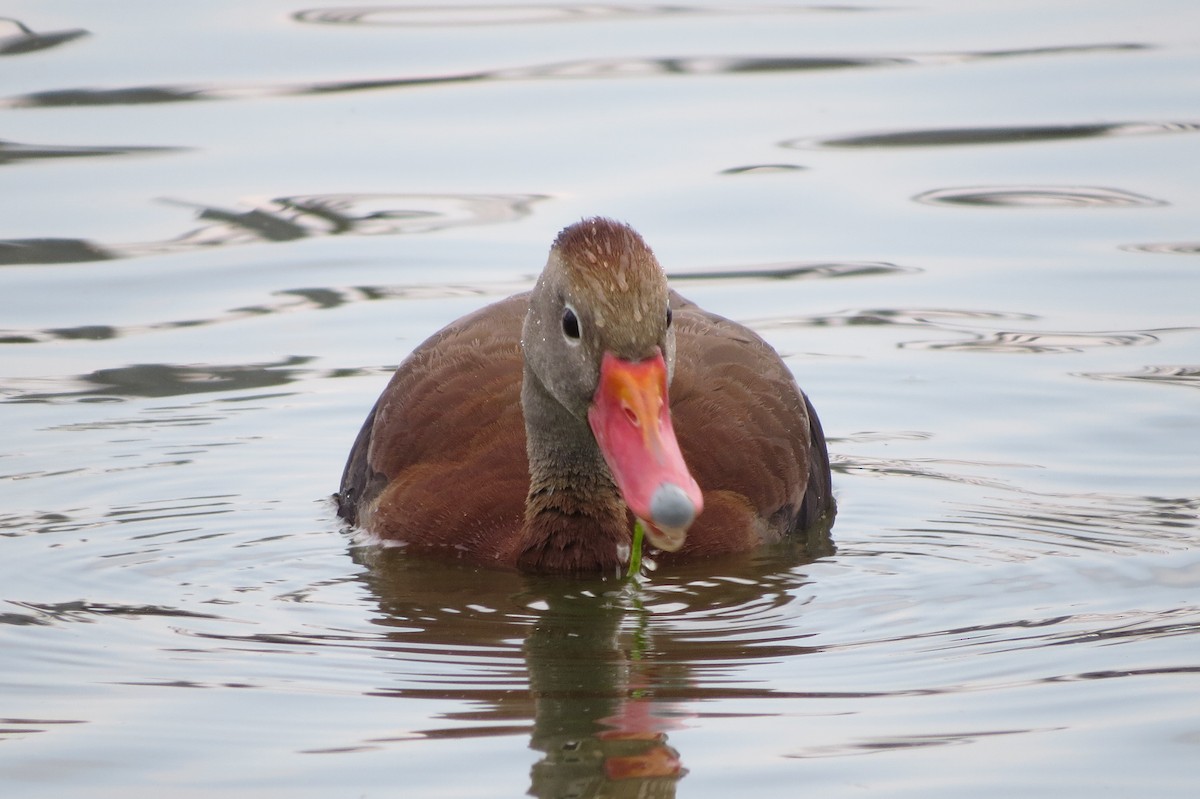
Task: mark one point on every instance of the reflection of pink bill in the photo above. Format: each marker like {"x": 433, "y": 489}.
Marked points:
{"x": 658, "y": 761}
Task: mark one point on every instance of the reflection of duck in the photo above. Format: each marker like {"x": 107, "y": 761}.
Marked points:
{"x": 594, "y": 719}
{"x": 530, "y": 432}
{"x": 596, "y": 674}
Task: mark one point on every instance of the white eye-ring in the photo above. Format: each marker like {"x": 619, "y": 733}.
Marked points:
{"x": 570, "y": 325}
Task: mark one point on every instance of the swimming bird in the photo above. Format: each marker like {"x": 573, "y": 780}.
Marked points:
{"x": 532, "y": 433}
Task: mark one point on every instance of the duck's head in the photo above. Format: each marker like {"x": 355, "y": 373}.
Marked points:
{"x": 599, "y": 337}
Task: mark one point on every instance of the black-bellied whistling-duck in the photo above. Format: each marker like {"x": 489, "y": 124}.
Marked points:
{"x": 532, "y": 432}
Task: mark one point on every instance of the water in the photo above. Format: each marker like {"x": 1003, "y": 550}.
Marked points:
{"x": 970, "y": 229}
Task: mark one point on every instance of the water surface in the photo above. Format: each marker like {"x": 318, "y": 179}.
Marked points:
{"x": 969, "y": 228}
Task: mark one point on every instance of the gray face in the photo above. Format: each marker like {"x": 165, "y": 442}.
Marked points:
{"x": 569, "y": 367}
{"x": 570, "y": 327}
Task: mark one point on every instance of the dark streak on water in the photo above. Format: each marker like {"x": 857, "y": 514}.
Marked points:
{"x": 607, "y": 69}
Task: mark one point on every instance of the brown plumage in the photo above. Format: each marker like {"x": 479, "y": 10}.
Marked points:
{"x": 484, "y": 445}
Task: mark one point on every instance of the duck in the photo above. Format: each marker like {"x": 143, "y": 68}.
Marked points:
{"x": 533, "y": 433}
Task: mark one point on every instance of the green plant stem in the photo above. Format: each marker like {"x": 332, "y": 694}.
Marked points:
{"x": 635, "y": 551}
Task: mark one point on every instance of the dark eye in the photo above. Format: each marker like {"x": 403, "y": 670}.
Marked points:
{"x": 570, "y": 324}
{"x": 668, "y": 316}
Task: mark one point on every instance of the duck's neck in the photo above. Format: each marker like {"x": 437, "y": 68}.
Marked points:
{"x": 575, "y": 519}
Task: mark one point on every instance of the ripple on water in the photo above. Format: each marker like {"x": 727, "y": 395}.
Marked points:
{"x": 1166, "y": 248}
{"x": 286, "y": 301}
{"x": 19, "y": 728}
{"x": 673, "y": 67}
{"x": 1024, "y": 526}
{"x": 1186, "y": 376}
{"x": 601, "y": 668}
{"x": 1040, "y": 342}
{"x": 1006, "y": 134}
{"x": 763, "y": 169}
{"x": 795, "y": 271}
{"x": 1038, "y": 197}
{"x": 904, "y": 317}
{"x": 152, "y": 512}
{"x": 530, "y": 14}
{"x": 977, "y": 337}
{"x": 175, "y": 379}
{"x": 22, "y": 39}
{"x": 14, "y": 152}
{"x": 154, "y": 380}
{"x": 290, "y": 218}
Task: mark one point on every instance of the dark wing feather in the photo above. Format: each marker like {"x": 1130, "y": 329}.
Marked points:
{"x": 358, "y": 479}
{"x": 748, "y": 434}
{"x": 450, "y": 418}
